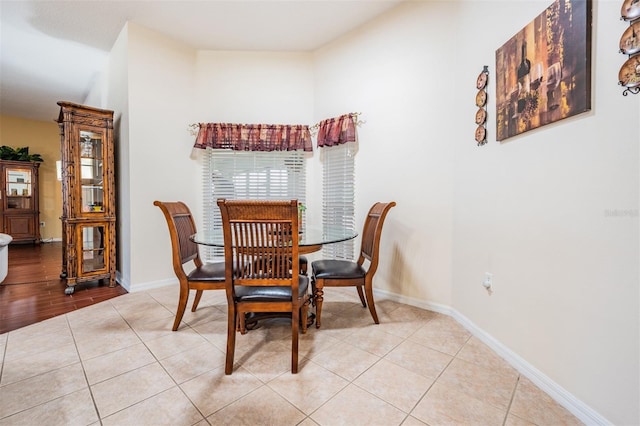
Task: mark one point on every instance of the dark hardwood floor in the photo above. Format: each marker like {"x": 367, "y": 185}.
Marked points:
{"x": 33, "y": 290}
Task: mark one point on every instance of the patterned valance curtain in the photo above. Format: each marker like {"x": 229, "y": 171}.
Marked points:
{"x": 254, "y": 137}
{"x": 337, "y": 130}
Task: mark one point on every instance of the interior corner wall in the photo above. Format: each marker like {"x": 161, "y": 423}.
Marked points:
{"x": 261, "y": 87}
{"x": 394, "y": 72}
{"x": 254, "y": 87}
{"x": 552, "y": 213}
{"x": 157, "y": 162}
{"x": 110, "y": 91}
{"x": 117, "y": 99}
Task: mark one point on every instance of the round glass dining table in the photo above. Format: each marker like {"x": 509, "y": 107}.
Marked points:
{"x": 311, "y": 239}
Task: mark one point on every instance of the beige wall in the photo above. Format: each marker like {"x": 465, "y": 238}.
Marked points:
{"x": 536, "y": 211}
{"x": 42, "y": 137}
{"x": 158, "y": 153}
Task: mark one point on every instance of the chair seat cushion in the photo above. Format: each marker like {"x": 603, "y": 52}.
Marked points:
{"x": 337, "y": 269}
{"x": 208, "y": 272}
{"x": 270, "y": 293}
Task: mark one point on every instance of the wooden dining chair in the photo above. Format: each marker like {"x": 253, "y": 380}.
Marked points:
{"x": 344, "y": 273}
{"x": 262, "y": 267}
{"x": 205, "y": 276}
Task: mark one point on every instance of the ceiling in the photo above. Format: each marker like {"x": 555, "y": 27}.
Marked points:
{"x": 52, "y": 50}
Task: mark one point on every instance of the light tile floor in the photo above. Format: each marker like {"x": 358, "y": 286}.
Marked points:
{"x": 119, "y": 363}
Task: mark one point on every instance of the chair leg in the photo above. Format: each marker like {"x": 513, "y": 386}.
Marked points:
{"x": 232, "y": 318}
{"x": 196, "y": 301}
{"x": 182, "y": 305}
{"x": 295, "y": 320}
{"x": 372, "y": 306}
{"x": 304, "y": 313}
{"x": 361, "y": 294}
{"x": 317, "y": 300}
{"x": 242, "y": 324}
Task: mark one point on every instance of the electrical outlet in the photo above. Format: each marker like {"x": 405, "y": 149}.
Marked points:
{"x": 42, "y": 224}
{"x": 488, "y": 282}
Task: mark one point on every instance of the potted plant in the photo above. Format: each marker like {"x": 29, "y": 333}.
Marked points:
{"x": 18, "y": 154}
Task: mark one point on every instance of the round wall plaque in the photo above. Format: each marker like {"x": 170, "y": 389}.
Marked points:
{"x": 630, "y": 10}
{"x": 481, "y": 98}
{"x": 481, "y": 134}
{"x": 629, "y": 75}
{"x": 630, "y": 40}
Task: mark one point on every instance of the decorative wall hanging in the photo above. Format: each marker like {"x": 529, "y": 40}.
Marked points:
{"x": 481, "y": 102}
{"x": 543, "y": 73}
{"x": 629, "y": 75}
{"x": 630, "y": 10}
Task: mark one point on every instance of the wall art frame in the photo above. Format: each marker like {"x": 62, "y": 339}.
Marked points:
{"x": 543, "y": 73}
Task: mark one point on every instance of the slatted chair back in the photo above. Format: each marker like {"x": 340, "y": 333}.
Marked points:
{"x": 205, "y": 276}
{"x": 262, "y": 265}
{"x": 371, "y": 234}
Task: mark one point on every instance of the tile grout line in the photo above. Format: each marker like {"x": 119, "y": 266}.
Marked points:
{"x": 84, "y": 372}
{"x": 440, "y": 374}
{"x": 513, "y": 395}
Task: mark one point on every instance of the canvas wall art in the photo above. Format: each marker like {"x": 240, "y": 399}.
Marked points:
{"x": 543, "y": 73}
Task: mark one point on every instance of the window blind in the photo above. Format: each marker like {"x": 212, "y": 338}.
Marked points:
{"x": 262, "y": 175}
{"x": 338, "y": 196}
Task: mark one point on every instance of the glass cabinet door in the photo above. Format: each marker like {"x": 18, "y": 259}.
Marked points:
{"x": 18, "y": 188}
{"x": 93, "y": 246}
{"x": 91, "y": 171}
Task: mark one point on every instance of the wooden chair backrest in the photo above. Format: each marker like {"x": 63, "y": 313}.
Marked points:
{"x": 372, "y": 231}
{"x": 181, "y": 227}
{"x": 261, "y": 242}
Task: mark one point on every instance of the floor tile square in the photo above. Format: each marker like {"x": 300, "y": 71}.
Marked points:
{"x": 75, "y": 408}
{"x": 130, "y": 388}
{"x": 355, "y": 406}
{"x": 444, "y": 405}
{"x": 261, "y": 407}
{"x": 170, "y": 407}
{"x": 533, "y": 405}
{"x": 214, "y": 390}
{"x": 115, "y": 363}
{"x": 310, "y": 388}
{"x": 40, "y": 389}
{"x": 394, "y": 384}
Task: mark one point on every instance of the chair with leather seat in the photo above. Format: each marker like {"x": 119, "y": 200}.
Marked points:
{"x": 345, "y": 273}
{"x": 205, "y": 276}
{"x": 262, "y": 267}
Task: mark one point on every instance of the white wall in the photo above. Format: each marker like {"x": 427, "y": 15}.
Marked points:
{"x": 112, "y": 92}
{"x": 253, "y": 87}
{"x": 533, "y": 211}
{"x": 170, "y": 87}
{"x": 399, "y": 81}
{"x": 161, "y": 76}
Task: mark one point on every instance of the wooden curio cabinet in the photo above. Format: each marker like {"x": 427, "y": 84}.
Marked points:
{"x": 88, "y": 195}
{"x": 20, "y": 209}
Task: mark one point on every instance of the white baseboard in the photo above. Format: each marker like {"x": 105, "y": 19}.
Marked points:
{"x": 50, "y": 240}
{"x": 150, "y": 285}
{"x": 578, "y": 408}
